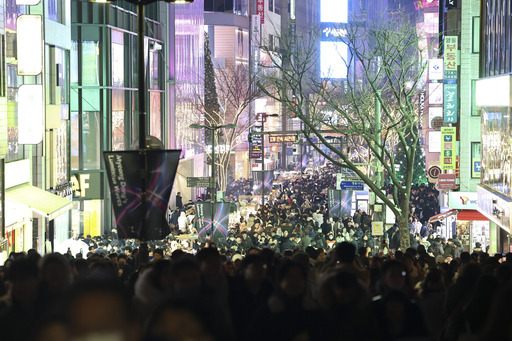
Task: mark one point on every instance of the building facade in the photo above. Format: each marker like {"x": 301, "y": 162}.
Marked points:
{"x": 494, "y": 99}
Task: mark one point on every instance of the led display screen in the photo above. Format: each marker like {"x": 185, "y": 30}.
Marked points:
{"x": 333, "y": 57}
{"x": 334, "y": 11}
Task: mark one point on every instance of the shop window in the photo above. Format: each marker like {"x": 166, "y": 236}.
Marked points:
{"x": 476, "y": 35}
{"x": 475, "y": 110}
{"x": 119, "y": 126}
{"x": 91, "y": 137}
{"x": 154, "y": 60}
{"x": 75, "y": 141}
{"x": 61, "y": 152}
{"x": 117, "y": 58}
{"x": 74, "y": 63}
{"x": 90, "y": 63}
{"x": 156, "y": 115}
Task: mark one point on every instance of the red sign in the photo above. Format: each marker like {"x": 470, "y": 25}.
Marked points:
{"x": 446, "y": 181}
{"x": 260, "y": 9}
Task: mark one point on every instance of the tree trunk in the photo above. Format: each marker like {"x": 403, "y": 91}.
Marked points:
{"x": 403, "y": 226}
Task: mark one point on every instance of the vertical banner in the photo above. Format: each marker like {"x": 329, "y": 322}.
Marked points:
{"x": 126, "y": 183}
{"x": 260, "y": 10}
{"x": 448, "y": 142}
{"x": 204, "y": 216}
{"x": 255, "y": 29}
{"x": 203, "y": 219}
{"x": 334, "y": 198}
{"x": 450, "y": 103}
{"x": 451, "y": 44}
{"x": 340, "y": 203}
{"x": 221, "y": 221}
{"x": 267, "y": 181}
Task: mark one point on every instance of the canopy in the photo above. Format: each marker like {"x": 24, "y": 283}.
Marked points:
{"x": 471, "y": 215}
{"x": 39, "y": 201}
{"x": 443, "y": 215}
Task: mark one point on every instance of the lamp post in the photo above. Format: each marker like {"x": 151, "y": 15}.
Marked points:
{"x": 143, "y": 143}
{"x": 213, "y": 183}
{"x": 263, "y": 117}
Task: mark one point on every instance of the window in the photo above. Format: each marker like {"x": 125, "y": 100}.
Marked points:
{"x": 117, "y": 58}
{"x": 75, "y": 141}
{"x": 475, "y": 110}
{"x": 91, "y": 135}
{"x": 475, "y": 160}
{"x": 277, "y": 9}
{"x": 476, "y": 35}
{"x": 119, "y": 127}
{"x": 271, "y": 5}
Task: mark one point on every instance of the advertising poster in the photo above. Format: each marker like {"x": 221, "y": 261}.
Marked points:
{"x": 448, "y": 142}
{"x": 126, "y": 185}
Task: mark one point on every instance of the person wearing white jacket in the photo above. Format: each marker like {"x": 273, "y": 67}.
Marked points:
{"x": 183, "y": 222}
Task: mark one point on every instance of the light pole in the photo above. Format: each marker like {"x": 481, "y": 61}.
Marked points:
{"x": 143, "y": 143}
{"x": 213, "y": 184}
{"x": 263, "y": 117}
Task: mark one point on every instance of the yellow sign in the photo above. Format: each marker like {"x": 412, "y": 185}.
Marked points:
{"x": 448, "y": 143}
{"x": 282, "y": 138}
{"x": 377, "y": 228}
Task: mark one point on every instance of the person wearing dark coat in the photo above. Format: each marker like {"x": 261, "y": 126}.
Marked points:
{"x": 179, "y": 201}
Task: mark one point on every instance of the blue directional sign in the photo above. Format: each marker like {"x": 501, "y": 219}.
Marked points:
{"x": 352, "y": 185}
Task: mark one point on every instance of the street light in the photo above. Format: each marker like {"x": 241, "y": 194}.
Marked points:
{"x": 213, "y": 184}
{"x": 144, "y": 250}
{"x": 213, "y": 129}
{"x": 263, "y": 116}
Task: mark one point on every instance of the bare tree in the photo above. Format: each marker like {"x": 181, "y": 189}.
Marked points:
{"x": 384, "y": 68}
{"x": 235, "y": 91}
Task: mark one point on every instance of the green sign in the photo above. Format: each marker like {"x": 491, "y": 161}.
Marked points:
{"x": 199, "y": 182}
{"x": 450, "y": 56}
{"x": 450, "y": 103}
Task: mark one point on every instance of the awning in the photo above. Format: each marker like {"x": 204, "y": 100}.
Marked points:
{"x": 443, "y": 215}
{"x": 42, "y": 202}
{"x": 471, "y": 215}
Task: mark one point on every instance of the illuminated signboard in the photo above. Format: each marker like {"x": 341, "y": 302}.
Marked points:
{"x": 334, "y": 11}
{"x": 333, "y": 52}
{"x": 332, "y": 32}
{"x": 282, "y": 138}
{"x": 333, "y": 57}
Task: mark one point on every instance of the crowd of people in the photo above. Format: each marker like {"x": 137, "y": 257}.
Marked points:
{"x": 286, "y": 271}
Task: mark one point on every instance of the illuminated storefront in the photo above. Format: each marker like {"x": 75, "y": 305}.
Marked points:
{"x": 495, "y": 191}
{"x": 493, "y": 96}
{"x": 472, "y": 226}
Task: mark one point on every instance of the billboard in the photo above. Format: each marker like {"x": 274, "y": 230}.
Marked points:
{"x": 333, "y": 51}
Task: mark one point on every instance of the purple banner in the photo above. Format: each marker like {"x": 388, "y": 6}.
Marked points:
{"x": 126, "y": 182}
